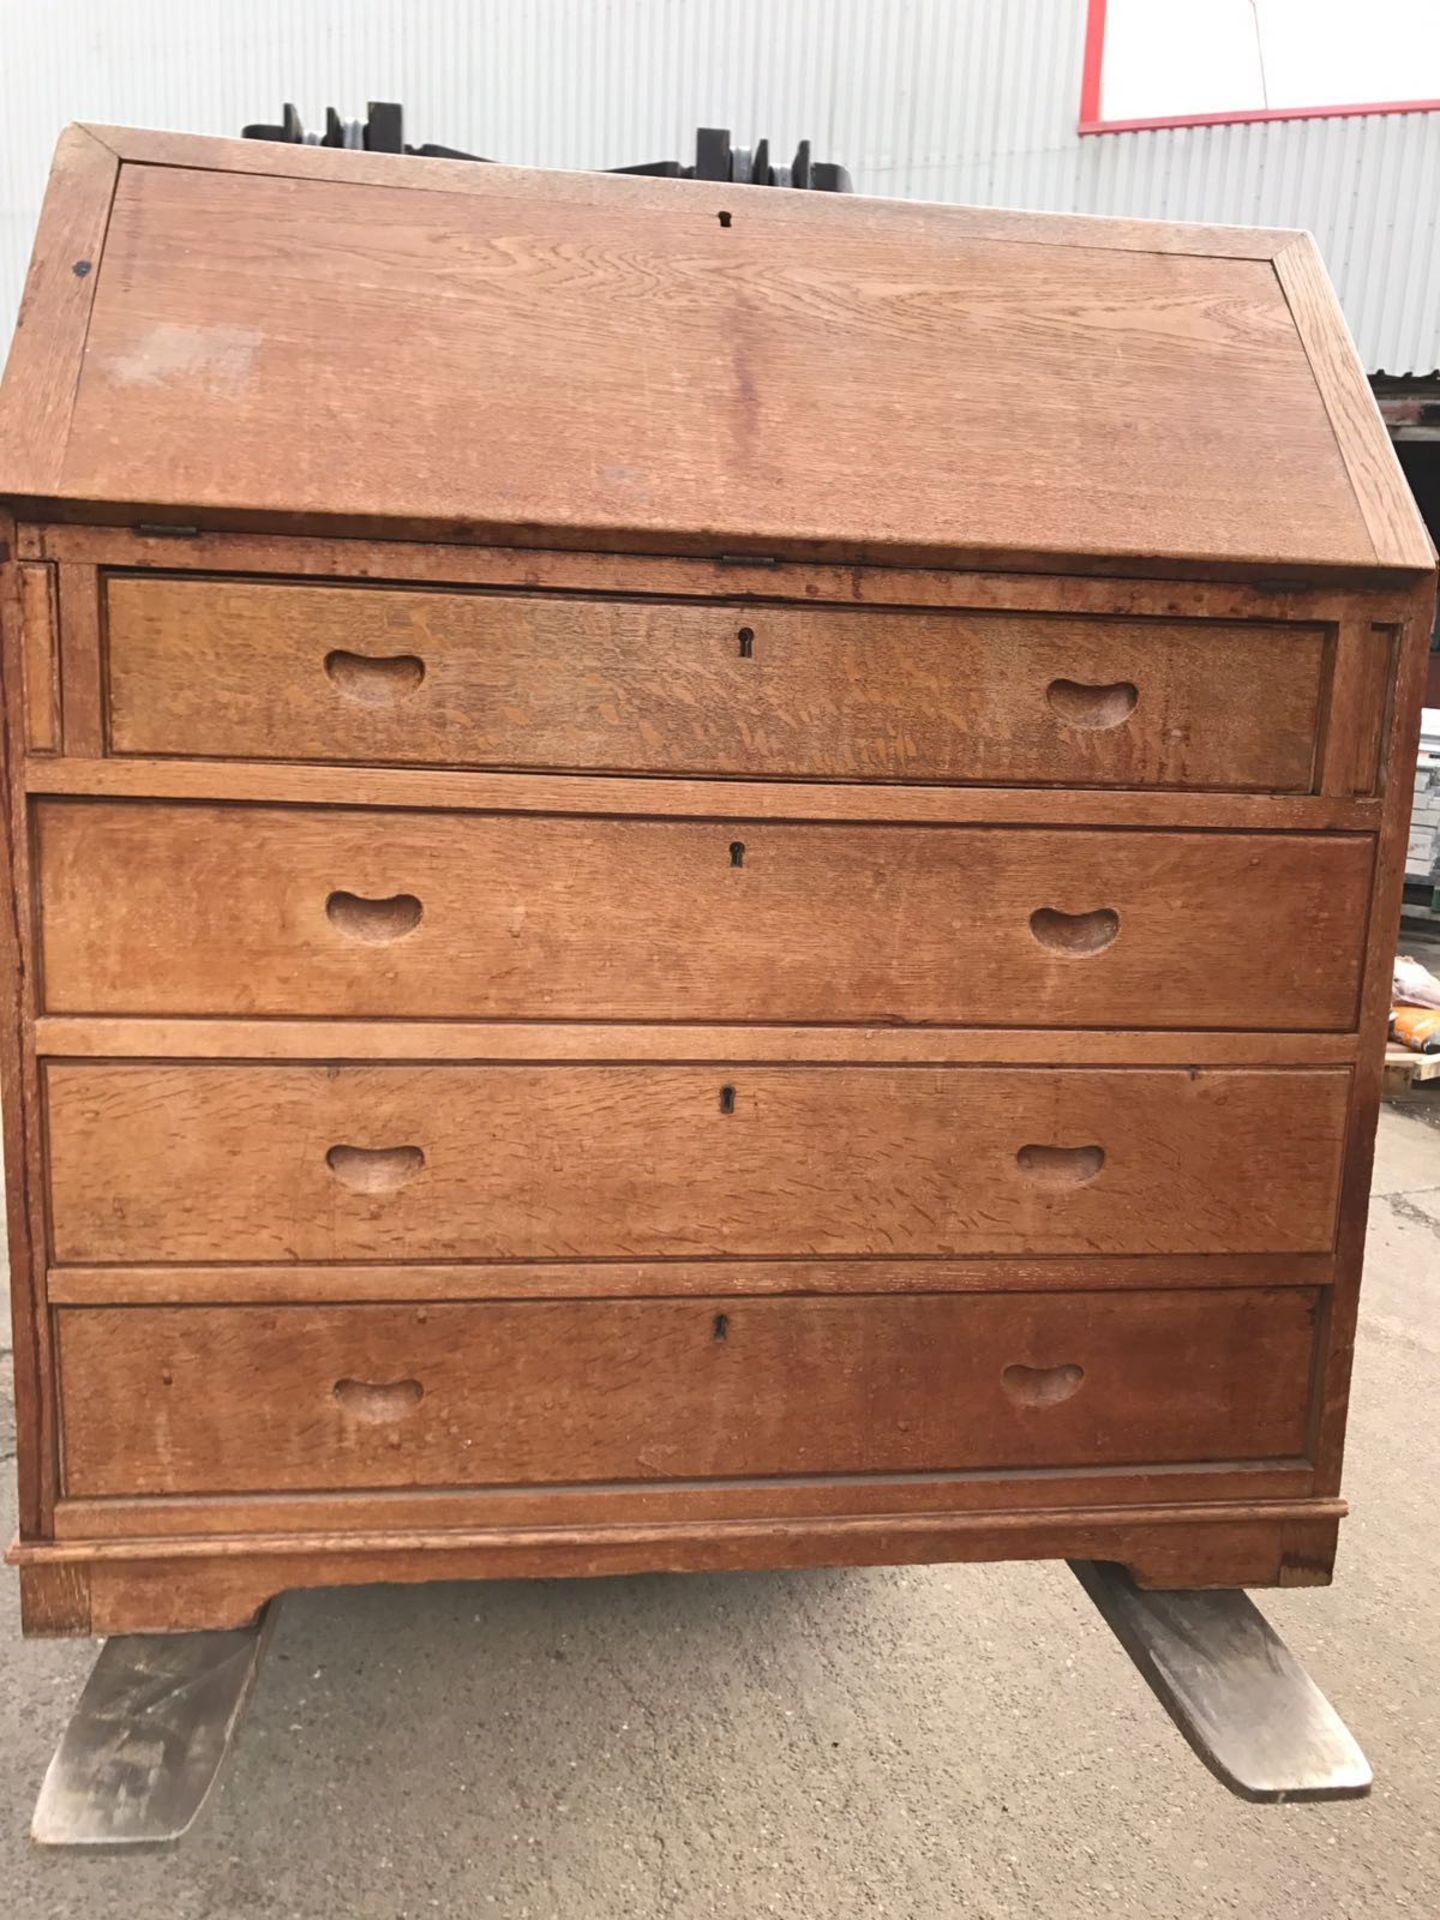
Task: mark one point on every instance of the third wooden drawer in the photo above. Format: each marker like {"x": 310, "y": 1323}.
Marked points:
{"x": 179, "y": 1163}
{"x": 156, "y": 908}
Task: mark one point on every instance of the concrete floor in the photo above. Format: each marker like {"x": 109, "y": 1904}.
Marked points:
{"x": 912, "y": 1743}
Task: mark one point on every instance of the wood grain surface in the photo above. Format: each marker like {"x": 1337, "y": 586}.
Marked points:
{"x": 47, "y": 351}
{"x": 157, "y": 1164}
{"x": 240, "y": 1285}
{"x": 149, "y": 1585}
{"x": 459, "y": 791}
{"x": 761, "y": 939}
{"x": 1391, "y": 513}
{"x": 617, "y": 367}
{"x": 150, "y": 909}
{"x": 175, "y": 1400}
{"x": 38, "y": 624}
{"x": 1397, "y": 778}
{"x": 82, "y": 695}
{"x": 285, "y": 672}
{"x": 1045, "y": 585}
{"x": 20, "y": 1104}
{"x": 380, "y": 1510}
{"x": 187, "y": 1037}
{"x": 635, "y": 193}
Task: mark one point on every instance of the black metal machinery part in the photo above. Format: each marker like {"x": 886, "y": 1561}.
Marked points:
{"x": 383, "y": 131}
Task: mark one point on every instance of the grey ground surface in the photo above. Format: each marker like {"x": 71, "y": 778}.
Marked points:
{"x": 921, "y": 1743}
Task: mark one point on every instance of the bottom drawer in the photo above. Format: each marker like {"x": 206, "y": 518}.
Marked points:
{"x": 244, "y": 1399}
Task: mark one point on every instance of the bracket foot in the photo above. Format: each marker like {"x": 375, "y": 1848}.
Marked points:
{"x": 148, "y": 1735}
{"x": 1232, "y": 1687}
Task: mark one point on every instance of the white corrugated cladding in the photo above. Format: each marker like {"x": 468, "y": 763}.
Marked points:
{"x": 959, "y": 100}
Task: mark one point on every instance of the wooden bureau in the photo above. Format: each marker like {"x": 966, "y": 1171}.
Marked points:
{"x": 686, "y": 893}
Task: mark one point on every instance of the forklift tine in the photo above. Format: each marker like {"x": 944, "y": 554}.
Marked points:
{"x": 147, "y": 1738}
{"x": 1232, "y": 1687}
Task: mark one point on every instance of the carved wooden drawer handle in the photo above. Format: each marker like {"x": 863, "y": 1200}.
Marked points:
{"x": 374, "y": 680}
{"x": 1095, "y": 708}
{"x": 375, "y": 921}
{"x": 1041, "y": 1386}
{"x": 1060, "y": 1166}
{"x": 376, "y": 1402}
{"x": 375, "y": 1169}
{"x": 1075, "y": 933}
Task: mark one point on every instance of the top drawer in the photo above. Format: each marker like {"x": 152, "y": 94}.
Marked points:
{"x": 429, "y": 676}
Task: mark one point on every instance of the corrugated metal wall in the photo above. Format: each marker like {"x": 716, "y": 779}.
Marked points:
{"x": 965, "y": 100}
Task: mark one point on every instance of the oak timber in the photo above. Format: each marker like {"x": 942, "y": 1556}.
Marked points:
{"x": 267, "y": 671}
{"x": 238, "y": 1283}
{"x": 464, "y": 791}
{"x": 245, "y": 911}
{"x": 230, "y": 1400}
{"x": 380, "y": 1511}
{"x": 576, "y": 341}
{"x": 175, "y": 1585}
{"x": 832, "y": 847}
{"x": 58, "y": 1036}
{"x": 179, "y": 1163}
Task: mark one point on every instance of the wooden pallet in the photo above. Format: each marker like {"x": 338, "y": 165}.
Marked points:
{"x": 1404, "y": 1069}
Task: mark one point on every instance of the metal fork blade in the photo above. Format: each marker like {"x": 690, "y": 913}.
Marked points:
{"x": 1232, "y": 1687}
{"x": 147, "y": 1738}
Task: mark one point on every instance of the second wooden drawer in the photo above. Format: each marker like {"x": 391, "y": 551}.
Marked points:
{"x": 211, "y": 909}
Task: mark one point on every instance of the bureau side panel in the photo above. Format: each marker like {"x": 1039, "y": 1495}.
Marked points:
{"x": 19, "y": 1095}
{"x": 1397, "y": 780}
